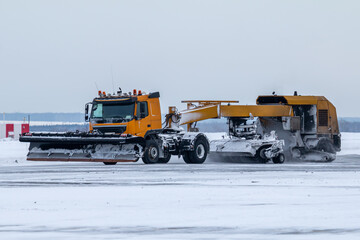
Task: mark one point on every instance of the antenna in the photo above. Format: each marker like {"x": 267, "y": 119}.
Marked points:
{"x": 112, "y": 79}
{"x": 97, "y": 88}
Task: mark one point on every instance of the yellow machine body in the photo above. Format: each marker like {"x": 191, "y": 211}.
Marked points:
{"x": 326, "y": 117}
{"x": 267, "y": 106}
{"x": 311, "y": 121}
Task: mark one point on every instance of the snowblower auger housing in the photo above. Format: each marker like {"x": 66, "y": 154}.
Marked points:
{"x": 311, "y": 131}
{"x": 298, "y": 127}
{"x": 123, "y": 127}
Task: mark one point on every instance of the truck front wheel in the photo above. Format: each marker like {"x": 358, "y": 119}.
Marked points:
{"x": 151, "y": 154}
{"x": 198, "y": 156}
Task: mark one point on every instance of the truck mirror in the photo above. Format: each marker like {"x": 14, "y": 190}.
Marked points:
{"x": 87, "y": 112}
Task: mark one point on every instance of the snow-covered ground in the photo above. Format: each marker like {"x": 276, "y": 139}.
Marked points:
{"x": 43, "y": 123}
{"x": 350, "y": 143}
{"x": 41, "y": 200}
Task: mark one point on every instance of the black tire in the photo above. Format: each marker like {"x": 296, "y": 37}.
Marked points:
{"x": 110, "y": 163}
{"x": 198, "y": 156}
{"x": 186, "y": 157}
{"x": 166, "y": 159}
{"x": 279, "y": 159}
{"x": 325, "y": 145}
{"x": 151, "y": 154}
{"x": 260, "y": 156}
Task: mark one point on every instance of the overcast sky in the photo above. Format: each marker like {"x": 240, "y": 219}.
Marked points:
{"x": 53, "y": 52}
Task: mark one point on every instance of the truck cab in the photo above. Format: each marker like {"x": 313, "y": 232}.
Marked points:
{"x": 133, "y": 114}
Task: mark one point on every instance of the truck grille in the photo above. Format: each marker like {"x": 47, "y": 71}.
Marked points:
{"x": 110, "y": 129}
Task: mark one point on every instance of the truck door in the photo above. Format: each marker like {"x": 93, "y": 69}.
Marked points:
{"x": 324, "y": 126}
{"x": 155, "y": 113}
{"x": 143, "y": 119}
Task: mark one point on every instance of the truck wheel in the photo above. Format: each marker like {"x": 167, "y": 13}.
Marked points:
{"x": 260, "y": 155}
{"x": 326, "y": 146}
{"x": 151, "y": 154}
{"x": 279, "y": 159}
{"x": 110, "y": 163}
{"x": 166, "y": 159}
{"x": 186, "y": 157}
{"x": 198, "y": 156}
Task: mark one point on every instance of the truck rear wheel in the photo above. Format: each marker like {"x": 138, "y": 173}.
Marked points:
{"x": 198, "y": 156}
{"x": 326, "y": 146}
{"x": 279, "y": 159}
{"x": 165, "y": 159}
{"x": 186, "y": 157}
{"x": 151, "y": 154}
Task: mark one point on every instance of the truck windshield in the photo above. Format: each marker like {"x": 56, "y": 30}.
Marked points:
{"x": 121, "y": 112}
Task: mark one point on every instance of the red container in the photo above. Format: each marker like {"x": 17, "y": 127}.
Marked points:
{"x": 9, "y": 128}
{"x": 25, "y": 128}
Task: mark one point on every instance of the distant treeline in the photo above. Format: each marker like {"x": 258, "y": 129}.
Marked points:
{"x": 349, "y": 126}
{"x": 49, "y": 117}
{"x": 212, "y": 125}
{"x": 204, "y": 126}
{"x": 60, "y": 128}
{"x": 219, "y": 125}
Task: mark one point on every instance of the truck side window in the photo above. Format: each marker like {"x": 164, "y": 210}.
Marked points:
{"x": 142, "y": 110}
{"x": 97, "y": 111}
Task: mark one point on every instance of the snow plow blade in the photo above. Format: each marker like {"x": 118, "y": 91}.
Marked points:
{"x": 83, "y": 147}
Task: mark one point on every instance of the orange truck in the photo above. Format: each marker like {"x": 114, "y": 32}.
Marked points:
{"x": 124, "y": 127}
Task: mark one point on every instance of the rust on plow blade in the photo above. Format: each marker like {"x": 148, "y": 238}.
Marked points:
{"x": 80, "y": 160}
{"x": 83, "y": 147}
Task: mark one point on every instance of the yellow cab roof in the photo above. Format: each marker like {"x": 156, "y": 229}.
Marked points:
{"x": 290, "y": 100}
